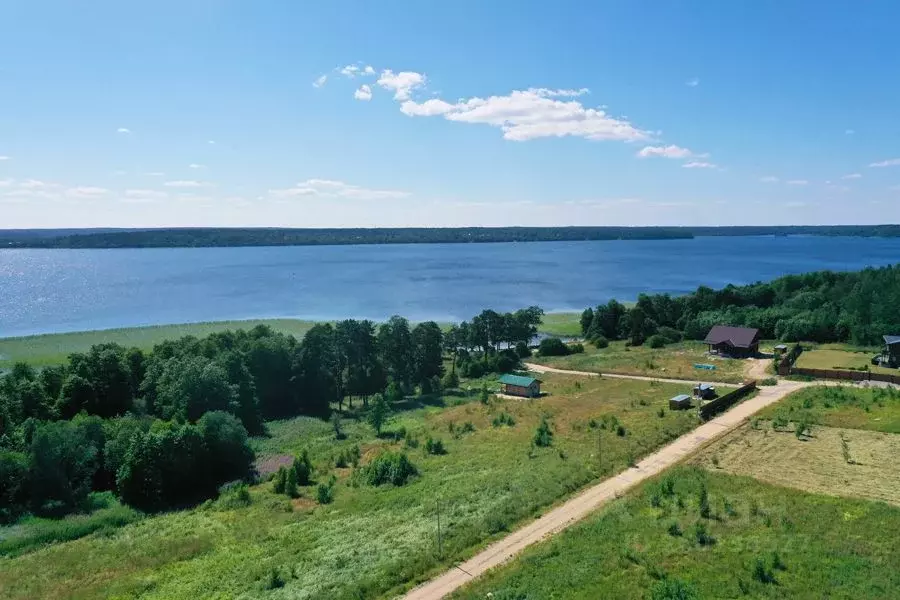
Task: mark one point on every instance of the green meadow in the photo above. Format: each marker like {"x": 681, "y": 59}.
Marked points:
{"x": 371, "y": 541}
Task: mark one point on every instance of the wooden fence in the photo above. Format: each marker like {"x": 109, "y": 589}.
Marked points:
{"x": 724, "y": 402}
{"x": 845, "y": 375}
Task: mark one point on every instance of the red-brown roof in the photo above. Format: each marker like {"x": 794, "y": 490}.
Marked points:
{"x": 739, "y": 337}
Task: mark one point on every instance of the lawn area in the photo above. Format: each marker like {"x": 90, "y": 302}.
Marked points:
{"x": 848, "y": 407}
{"x": 561, "y": 324}
{"x": 759, "y": 541}
{"x": 371, "y": 542}
{"x": 833, "y": 358}
{"x": 840, "y": 462}
{"x": 676, "y": 361}
{"x": 51, "y": 349}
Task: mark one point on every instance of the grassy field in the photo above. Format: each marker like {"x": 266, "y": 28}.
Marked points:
{"x": 51, "y": 349}
{"x": 835, "y": 358}
{"x": 759, "y": 541}
{"x": 875, "y": 409}
{"x": 371, "y": 542}
{"x": 840, "y": 462}
{"x": 675, "y": 361}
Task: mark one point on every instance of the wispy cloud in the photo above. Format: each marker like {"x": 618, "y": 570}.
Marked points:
{"x": 320, "y": 81}
{"x": 699, "y": 164}
{"x": 138, "y": 195}
{"x": 327, "y": 188}
{"x": 670, "y": 151}
{"x": 693, "y": 82}
{"x": 4, "y": 157}
{"x": 891, "y": 162}
{"x": 852, "y": 176}
{"x": 187, "y": 183}
{"x": 402, "y": 83}
{"x": 86, "y": 192}
{"x": 211, "y": 142}
{"x": 123, "y": 130}
{"x": 798, "y": 182}
{"x": 196, "y": 166}
{"x": 364, "y": 93}
{"x": 769, "y": 179}
{"x": 155, "y": 174}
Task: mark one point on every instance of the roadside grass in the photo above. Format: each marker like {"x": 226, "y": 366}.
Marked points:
{"x": 370, "y": 542}
{"x": 833, "y": 358}
{"x": 51, "y": 349}
{"x": 849, "y": 407}
{"x": 561, "y": 324}
{"x": 760, "y": 541}
{"x": 839, "y": 462}
{"x": 105, "y": 516}
{"x": 676, "y": 361}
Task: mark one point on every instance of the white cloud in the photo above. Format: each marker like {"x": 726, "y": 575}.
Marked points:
{"x": 797, "y": 182}
{"x": 670, "y": 151}
{"x": 795, "y": 204}
{"x": 692, "y": 82}
{"x": 86, "y": 192}
{"x": 123, "y": 130}
{"x": 2, "y": 158}
{"x": 320, "y": 81}
{"x": 768, "y": 179}
{"x": 402, "y": 83}
{"x": 369, "y": 70}
{"x": 849, "y": 131}
{"x": 35, "y": 184}
{"x": 852, "y": 176}
{"x": 196, "y": 166}
{"x": 6, "y": 182}
{"x": 530, "y": 114}
{"x": 181, "y": 183}
{"x": 326, "y": 188}
{"x": 364, "y": 93}
{"x": 350, "y": 71}
{"x": 699, "y": 164}
{"x": 891, "y": 162}
{"x": 211, "y": 142}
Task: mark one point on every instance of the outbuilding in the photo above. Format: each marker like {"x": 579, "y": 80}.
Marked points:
{"x": 680, "y": 402}
{"x": 704, "y": 391}
{"x": 520, "y": 385}
{"x": 737, "y": 342}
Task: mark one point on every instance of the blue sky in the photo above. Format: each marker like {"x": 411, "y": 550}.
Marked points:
{"x": 282, "y": 113}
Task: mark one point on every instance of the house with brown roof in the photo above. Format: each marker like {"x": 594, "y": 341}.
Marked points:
{"x": 736, "y": 342}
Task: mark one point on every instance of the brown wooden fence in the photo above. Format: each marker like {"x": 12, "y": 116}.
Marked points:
{"x": 845, "y": 375}
{"x": 723, "y": 402}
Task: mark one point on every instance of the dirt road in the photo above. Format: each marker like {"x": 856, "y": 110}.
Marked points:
{"x": 594, "y": 497}
{"x": 545, "y": 369}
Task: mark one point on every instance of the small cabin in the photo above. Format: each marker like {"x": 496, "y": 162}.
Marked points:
{"x": 736, "y": 342}
{"x": 680, "y": 402}
{"x": 704, "y": 391}
{"x": 520, "y": 385}
{"x": 781, "y": 349}
{"x": 890, "y": 355}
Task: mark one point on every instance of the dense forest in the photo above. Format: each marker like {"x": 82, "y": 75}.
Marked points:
{"x": 206, "y": 237}
{"x": 857, "y": 307}
{"x": 167, "y": 428}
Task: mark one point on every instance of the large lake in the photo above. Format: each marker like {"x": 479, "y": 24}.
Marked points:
{"x": 43, "y": 291}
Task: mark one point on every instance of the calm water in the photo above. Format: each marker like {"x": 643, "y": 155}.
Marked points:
{"x": 44, "y": 291}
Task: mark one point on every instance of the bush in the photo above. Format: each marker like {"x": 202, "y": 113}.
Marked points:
{"x": 701, "y": 534}
{"x": 274, "y": 580}
{"x": 768, "y": 381}
{"x": 389, "y": 468}
{"x": 657, "y": 341}
{"x": 234, "y": 497}
{"x": 433, "y": 446}
{"x": 576, "y": 349}
{"x": 302, "y": 468}
{"x": 450, "y": 381}
{"x": 523, "y": 350}
{"x": 506, "y": 361}
{"x": 348, "y": 456}
{"x": 325, "y": 491}
{"x": 672, "y": 589}
{"x": 552, "y": 347}
{"x": 280, "y": 480}
{"x": 543, "y": 437}
{"x": 620, "y": 430}
{"x": 675, "y": 529}
{"x": 762, "y": 572}
{"x": 290, "y": 484}
{"x": 600, "y": 342}
{"x": 504, "y": 418}
{"x": 669, "y": 334}
{"x": 703, "y": 502}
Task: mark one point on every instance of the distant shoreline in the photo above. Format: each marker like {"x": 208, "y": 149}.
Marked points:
{"x": 219, "y": 237}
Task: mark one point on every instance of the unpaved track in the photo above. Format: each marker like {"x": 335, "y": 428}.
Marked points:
{"x": 596, "y": 496}
{"x": 545, "y": 369}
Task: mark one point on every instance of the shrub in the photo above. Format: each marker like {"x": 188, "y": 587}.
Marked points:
{"x": 280, "y": 480}
{"x": 274, "y": 580}
{"x": 656, "y": 341}
{"x": 450, "y": 381}
{"x": 669, "y": 334}
{"x": 290, "y": 484}
{"x": 675, "y": 529}
{"x": 389, "y": 468}
{"x": 325, "y": 491}
{"x": 467, "y": 427}
{"x": 576, "y": 349}
{"x": 768, "y": 381}
{"x": 302, "y": 468}
{"x": 620, "y": 430}
{"x": 703, "y": 502}
{"x": 600, "y": 342}
{"x": 702, "y": 535}
{"x": 762, "y": 572}
{"x": 336, "y": 425}
{"x": 672, "y": 589}
{"x": 543, "y": 437}
{"x": 503, "y": 418}
{"x": 484, "y": 396}
{"x": 661, "y": 413}
{"x": 552, "y": 347}
{"x": 235, "y": 497}
{"x": 433, "y": 446}
{"x": 523, "y": 350}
